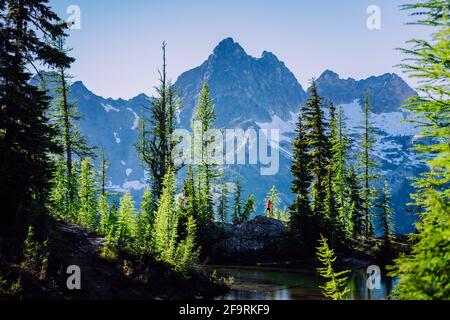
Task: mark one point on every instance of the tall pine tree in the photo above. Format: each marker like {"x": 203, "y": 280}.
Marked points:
{"x": 26, "y": 137}
{"x": 367, "y": 166}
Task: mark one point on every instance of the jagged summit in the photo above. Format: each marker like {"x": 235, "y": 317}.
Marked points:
{"x": 328, "y": 75}
{"x": 229, "y": 48}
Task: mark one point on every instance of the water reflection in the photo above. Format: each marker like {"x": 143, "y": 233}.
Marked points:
{"x": 263, "y": 284}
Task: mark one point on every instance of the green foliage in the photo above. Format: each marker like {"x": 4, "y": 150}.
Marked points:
{"x": 317, "y": 148}
{"x": 385, "y": 213}
{"x": 59, "y": 194}
{"x": 340, "y": 149}
{"x": 186, "y": 252}
{"x": 248, "y": 209}
{"x": 425, "y": 273}
{"x": 206, "y": 172}
{"x": 88, "y": 215}
{"x": 108, "y": 216}
{"x": 145, "y": 222}
{"x": 156, "y": 142}
{"x": 126, "y": 227}
{"x": 237, "y": 206}
{"x": 356, "y": 209}
{"x": 336, "y": 286}
{"x": 223, "y": 204}
{"x": 164, "y": 231}
{"x": 35, "y": 255}
{"x": 367, "y": 166}
{"x": 26, "y": 136}
{"x": 300, "y": 210}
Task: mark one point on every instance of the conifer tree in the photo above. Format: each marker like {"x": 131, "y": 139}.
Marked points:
{"x": 367, "y": 166}
{"x": 237, "y": 206}
{"x": 26, "y": 137}
{"x": 340, "y": 146}
{"x": 59, "y": 194}
{"x": 336, "y": 286}
{"x": 223, "y": 204}
{"x": 318, "y": 149}
{"x": 64, "y": 116}
{"x": 385, "y": 213}
{"x": 187, "y": 253}
{"x": 202, "y": 122}
{"x": 248, "y": 208}
{"x": 145, "y": 222}
{"x": 88, "y": 214}
{"x": 190, "y": 204}
{"x": 155, "y": 143}
{"x": 356, "y": 208}
{"x": 300, "y": 209}
{"x": 164, "y": 231}
{"x": 104, "y": 164}
{"x": 424, "y": 274}
{"x": 125, "y": 232}
{"x": 106, "y": 220}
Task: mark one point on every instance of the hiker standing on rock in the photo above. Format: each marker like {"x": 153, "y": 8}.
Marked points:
{"x": 268, "y": 212}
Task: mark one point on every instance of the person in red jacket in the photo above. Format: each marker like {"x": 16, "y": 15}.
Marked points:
{"x": 268, "y": 208}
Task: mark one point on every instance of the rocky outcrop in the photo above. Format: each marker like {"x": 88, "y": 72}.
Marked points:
{"x": 252, "y": 241}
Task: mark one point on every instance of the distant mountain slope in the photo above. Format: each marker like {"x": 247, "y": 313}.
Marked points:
{"x": 386, "y": 92}
{"x": 244, "y": 88}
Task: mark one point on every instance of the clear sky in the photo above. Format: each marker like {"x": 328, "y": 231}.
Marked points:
{"x": 118, "y": 46}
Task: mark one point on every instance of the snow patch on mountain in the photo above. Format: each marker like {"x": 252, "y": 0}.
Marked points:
{"x": 392, "y": 123}
{"x": 109, "y": 108}
{"x": 134, "y": 185}
{"x": 128, "y": 171}
{"x": 116, "y": 136}
{"x": 136, "y": 119}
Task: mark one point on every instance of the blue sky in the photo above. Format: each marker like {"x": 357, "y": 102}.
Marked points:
{"x": 118, "y": 46}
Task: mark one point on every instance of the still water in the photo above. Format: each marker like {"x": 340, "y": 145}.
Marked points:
{"x": 282, "y": 284}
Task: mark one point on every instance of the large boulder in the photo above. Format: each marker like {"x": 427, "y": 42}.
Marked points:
{"x": 251, "y": 241}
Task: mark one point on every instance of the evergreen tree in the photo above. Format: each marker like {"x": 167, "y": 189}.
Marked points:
{"x": 88, "y": 214}
{"x": 26, "y": 137}
{"x": 237, "y": 206}
{"x": 202, "y": 122}
{"x": 190, "y": 198}
{"x": 300, "y": 209}
{"x": 59, "y": 194}
{"x": 336, "y": 286}
{"x": 107, "y": 219}
{"x": 367, "y": 166}
{"x": 155, "y": 144}
{"x": 187, "y": 253}
{"x": 63, "y": 116}
{"x": 125, "y": 232}
{"x": 425, "y": 273}
{"x": 318, "y": 149}
{"x": 166, "y": 220}
{"x": 223, "y": 204}
{"x": 340, "y": 146}
{"x": 356, "y": 208}
{"x": 145, "y": 222}
{"x": 104, "y": 164}
{"x": 248, "y": 208}
{"x": 385, "y": 213}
